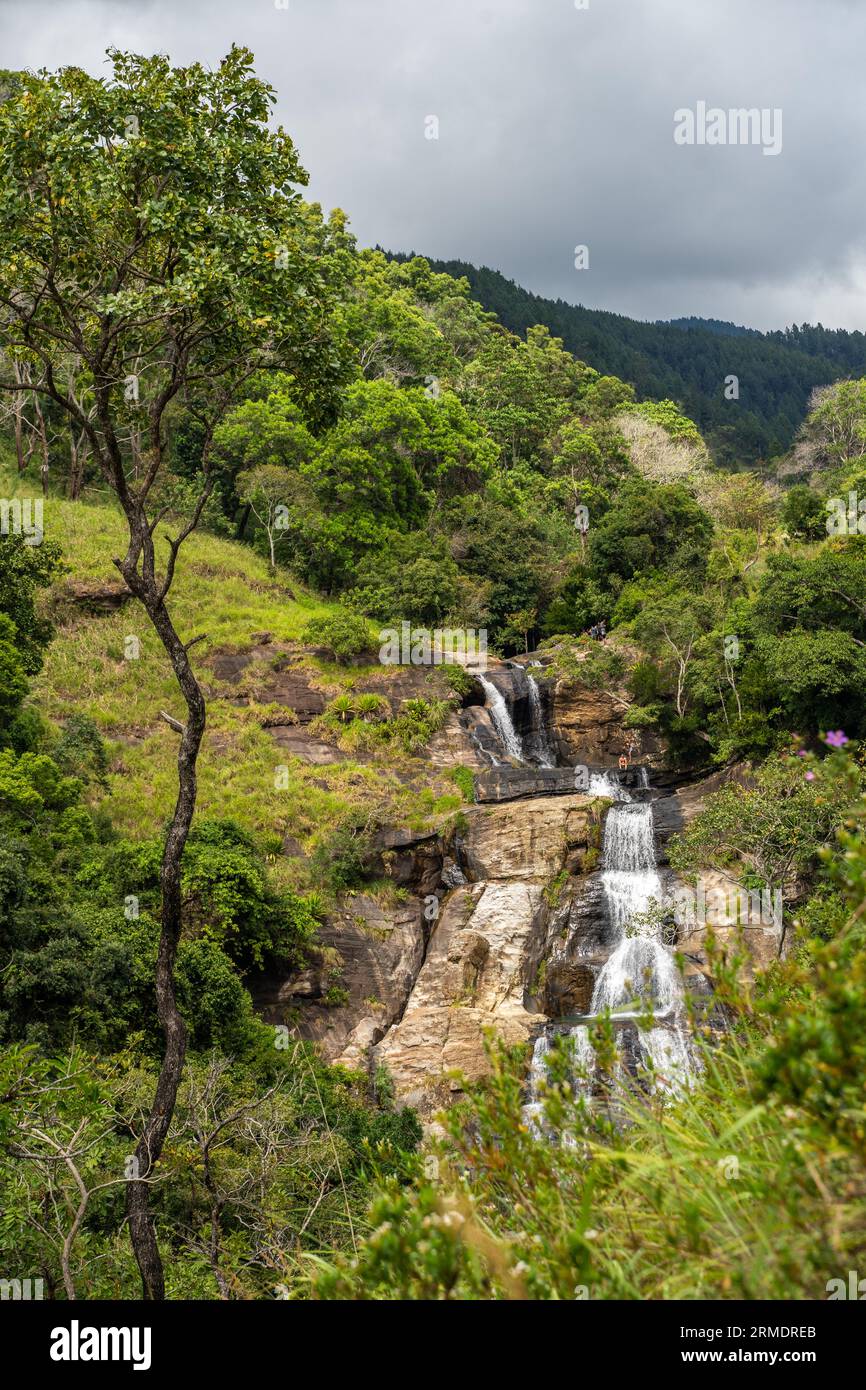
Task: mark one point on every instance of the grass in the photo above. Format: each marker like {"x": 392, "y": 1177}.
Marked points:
{"x": 223, "y": 590}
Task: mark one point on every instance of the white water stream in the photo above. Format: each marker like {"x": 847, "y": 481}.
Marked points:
{"x": 640, "y": 971}
{"x": 508, "y": 735}
{"x": 539, "y": 746}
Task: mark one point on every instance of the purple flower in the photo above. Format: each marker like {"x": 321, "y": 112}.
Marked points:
{"x": 810, "y": 776}
{"x": 836, "y": 738}
{"x": 801, "y": 753}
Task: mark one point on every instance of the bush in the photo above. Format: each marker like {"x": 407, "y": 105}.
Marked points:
{"x": 803, "y": 513}
{"x": 344, "y": 634}
{"x": 464, "y": 778}
{"x": 340, "y": 859}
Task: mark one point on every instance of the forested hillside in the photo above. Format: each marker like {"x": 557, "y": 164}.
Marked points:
{"x": 688, "y": 361}
{"x": 335, "y": 967}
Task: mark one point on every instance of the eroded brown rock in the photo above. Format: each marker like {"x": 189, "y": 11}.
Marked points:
{"x": 371, "y": 951}
{"x": 479, "y": 969}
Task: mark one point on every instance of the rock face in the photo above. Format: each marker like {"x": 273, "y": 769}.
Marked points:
{"x": 467, "y": 739}
{"x": 588, "y": 724}
{"x": 375, "y": 952}
{"x": 486, "y": 946}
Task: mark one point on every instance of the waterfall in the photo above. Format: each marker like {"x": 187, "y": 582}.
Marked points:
{"x": 640, "y": 966}
{"x": 641, "y": 971}
{"x": 668, "y": 1055}
{"x": 630, "y": 879}
{"x": 495, "y": 702}
{"x": 607, "y": 784}
{"x": 539, "y": 749}
{"x": 583, "y": 1061}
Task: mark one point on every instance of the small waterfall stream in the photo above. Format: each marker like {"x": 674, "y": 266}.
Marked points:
{"x": 639, "y": 964}
{"x": 508, "y": 735}
{"x": 640, "y": 971}
{"x": 538, "y": 743}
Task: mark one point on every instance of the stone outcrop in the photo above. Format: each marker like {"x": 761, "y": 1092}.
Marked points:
{"x": 371, "y": 952}
{"x": 588, "y": 724}
{"x": 93, "y": 596}
{"x": 486, "y": 946}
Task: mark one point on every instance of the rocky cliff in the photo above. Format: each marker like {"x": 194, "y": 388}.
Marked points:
{"x": 496, "y": 923}
{"x": 490, "y": 937}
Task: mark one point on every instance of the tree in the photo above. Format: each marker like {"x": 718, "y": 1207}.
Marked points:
{"x": 23, "y": 570}
{"x": 741, "y": 501}
{"x": 804, "y": 514}
{"x": 267, "y": 490}
{"x": 651, "y": 525}
{"x": 522, "y": 391}
{"x": 150, "y": 227}
{"x": 381, "y": 468}
{"x": 268, "y": 432}
{"x": 838, "y": 421}
{"x": 343, "y": 634}
{"x": 775, "y": 829}
{"x": 669, "y": 627}
{"x": 412, "y": 577}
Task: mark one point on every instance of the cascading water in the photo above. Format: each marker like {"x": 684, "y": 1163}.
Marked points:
{"x": 583, "y": 1058}
{"x": 508, "y": 735}
{"x": 640, "y": 971}
{"x": 630, "y": 878}
{"x": 639, "y": 964}
{"x": 538, "y": 746}
{"x": 667, "y": 1054}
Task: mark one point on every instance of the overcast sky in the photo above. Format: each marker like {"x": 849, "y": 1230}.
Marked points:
{"x": 556, "y": 129}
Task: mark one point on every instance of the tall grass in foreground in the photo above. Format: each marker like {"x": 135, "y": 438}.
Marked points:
{"x": 751, "y": 1185}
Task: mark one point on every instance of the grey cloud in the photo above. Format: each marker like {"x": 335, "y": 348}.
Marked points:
{"x": 556, "y": 128}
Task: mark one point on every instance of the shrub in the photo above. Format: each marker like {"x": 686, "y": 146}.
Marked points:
{"x": 343, "y": 634}
{"x": 464, "y": 778}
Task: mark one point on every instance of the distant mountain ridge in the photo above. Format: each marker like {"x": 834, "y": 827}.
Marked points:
{"x": 688, "y": 360}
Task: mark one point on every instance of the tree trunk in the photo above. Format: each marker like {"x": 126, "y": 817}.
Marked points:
{"x": 19, "y": 433}
{"x": 156, "y": 1127}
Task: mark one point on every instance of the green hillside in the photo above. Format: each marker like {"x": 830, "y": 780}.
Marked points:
{"x": 688, "y": 361}
{"x": 233, "y": 835}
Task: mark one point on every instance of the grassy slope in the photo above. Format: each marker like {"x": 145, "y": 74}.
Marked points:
{"x": 224, "y": 590}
